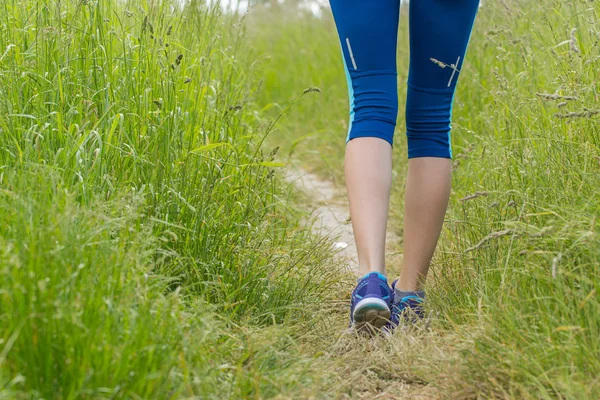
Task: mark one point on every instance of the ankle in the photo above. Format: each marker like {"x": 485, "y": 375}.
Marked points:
{"x": 402, "y": 294}
{"x": 379, "y": 274}
{"x": 410, "y": 285}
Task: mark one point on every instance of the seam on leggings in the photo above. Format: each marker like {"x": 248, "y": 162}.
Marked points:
{"x": 371, "y": 72}
{"x": 374, "y": 119}
{"x": 427, "y": 90}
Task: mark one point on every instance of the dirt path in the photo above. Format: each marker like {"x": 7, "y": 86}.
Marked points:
{"x": 333, "y": 218}
{"x": 331, "y": 213}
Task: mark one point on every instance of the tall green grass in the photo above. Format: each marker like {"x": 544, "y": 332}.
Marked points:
{"x": 515, "y": 280}
{"x": 146, "y": 243}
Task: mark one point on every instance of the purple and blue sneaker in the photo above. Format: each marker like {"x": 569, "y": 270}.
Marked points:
{"x": 371, "y": 302}
{"x": 409, "y": 309}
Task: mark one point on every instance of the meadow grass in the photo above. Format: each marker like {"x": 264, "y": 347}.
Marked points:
{"x": 147, "y": 246}
{"x": 515, "y": 281}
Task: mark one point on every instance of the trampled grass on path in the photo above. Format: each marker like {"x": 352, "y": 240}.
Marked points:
{"x": 516, "y": 278}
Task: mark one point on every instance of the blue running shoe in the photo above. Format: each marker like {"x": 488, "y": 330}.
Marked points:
{"x": 371, "y": 302}
{"x": 408, "y": 309}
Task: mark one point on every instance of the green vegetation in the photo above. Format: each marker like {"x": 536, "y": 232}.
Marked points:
{"x": 147, "y": 249}
{"x": 515, "y": 282}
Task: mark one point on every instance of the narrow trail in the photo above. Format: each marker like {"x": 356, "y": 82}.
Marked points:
{"x": 332, "y": 220}
{"x": 332, "y": 215}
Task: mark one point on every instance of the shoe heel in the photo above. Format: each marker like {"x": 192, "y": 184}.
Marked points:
{"x": 371, "y": 313}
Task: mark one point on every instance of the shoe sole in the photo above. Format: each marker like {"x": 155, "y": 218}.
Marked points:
{"x": 371, "y": 313}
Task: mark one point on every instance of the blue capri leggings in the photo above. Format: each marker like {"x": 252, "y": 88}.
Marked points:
{"x": 439, "y": 34}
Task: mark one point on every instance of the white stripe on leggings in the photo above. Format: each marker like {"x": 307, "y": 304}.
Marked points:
{"x": 351, "y": 55}
{"x": 454, "y": 69}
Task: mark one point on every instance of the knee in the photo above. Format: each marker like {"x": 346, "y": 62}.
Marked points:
{"x": 374, "y": 105}
{"x": 428, "y": 119}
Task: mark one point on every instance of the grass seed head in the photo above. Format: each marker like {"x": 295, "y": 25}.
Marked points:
{"x": 573, "y": 42}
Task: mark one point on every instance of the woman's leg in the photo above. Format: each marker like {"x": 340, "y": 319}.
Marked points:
{"x": 439, "y": 34}
{"x": 368, "y": 168}
{"x": 368, "y": 31}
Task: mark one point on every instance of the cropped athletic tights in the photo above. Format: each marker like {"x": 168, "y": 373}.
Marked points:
{"x": 439, "y": 34}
